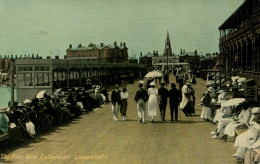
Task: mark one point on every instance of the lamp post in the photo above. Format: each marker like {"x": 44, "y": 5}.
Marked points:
{"x": 11, "y": 71}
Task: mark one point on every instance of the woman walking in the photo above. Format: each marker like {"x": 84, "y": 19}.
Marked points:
{"x": 152, "y": 102}
{"x": 124, "y": 97}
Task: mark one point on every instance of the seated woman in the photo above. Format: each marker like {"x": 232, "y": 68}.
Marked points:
{"x": 245, "y": 140}
{"x": 244, "y": 118}
{"x": 225, "y": 118}
{"x": 4, "y": 120}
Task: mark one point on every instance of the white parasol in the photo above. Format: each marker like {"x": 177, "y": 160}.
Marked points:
{"x": 41, "y": 94}
{"x": 153, "y": 74}
{"x": 233, "y": 102}
{"x": 57, "y": 92}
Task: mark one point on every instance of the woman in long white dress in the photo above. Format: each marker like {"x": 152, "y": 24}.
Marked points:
{"x": 152, "y": 101}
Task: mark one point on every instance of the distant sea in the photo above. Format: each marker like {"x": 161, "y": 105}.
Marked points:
{"x": 5, "y": 96}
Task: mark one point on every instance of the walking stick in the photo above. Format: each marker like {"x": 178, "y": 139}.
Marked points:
{"x": 26, "y": 130}
{"x": 179, "y": 112}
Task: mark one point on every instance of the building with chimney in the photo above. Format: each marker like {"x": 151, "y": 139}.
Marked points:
{"x": 190, "y": 57}
{"x": 105, "y": 53}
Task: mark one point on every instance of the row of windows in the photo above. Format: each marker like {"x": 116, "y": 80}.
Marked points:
{"x": 36, "y": 68}
{"x": 26, "y": 79}
{"x": 161, "y": 61}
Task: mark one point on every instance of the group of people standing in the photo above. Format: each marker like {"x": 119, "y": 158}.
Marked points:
{"x": 155, "y": 97}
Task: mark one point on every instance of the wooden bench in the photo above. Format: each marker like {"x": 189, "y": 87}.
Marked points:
{"x": 4, "y": 137}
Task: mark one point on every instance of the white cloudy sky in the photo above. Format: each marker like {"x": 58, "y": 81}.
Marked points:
{"x": 49, "y": 26}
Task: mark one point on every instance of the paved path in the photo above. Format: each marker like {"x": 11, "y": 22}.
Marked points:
{"x": 96, "y": 138}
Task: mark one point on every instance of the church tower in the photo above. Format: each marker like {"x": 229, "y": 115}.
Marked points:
{"x": 168, "y": 48}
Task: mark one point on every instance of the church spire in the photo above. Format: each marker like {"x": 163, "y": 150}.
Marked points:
{"x": 168, "y": 48}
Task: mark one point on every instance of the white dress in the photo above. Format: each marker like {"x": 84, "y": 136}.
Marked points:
{"x": 152, "y": 102}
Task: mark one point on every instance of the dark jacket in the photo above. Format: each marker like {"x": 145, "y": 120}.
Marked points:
{"x": 175, "y": 96}
{"x": 206, "y": 100}
{"x": 115, "y": 97}
{"x": 141, "y": 94}
{"x": 164, "y": 94}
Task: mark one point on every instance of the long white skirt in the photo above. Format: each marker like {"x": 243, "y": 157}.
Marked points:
{"x": 152, "y": 105}
{"x": 230, "y": 128}
{"x": 246, "y": 139}
{"x": 30, "y": 127}
{"x": 206, "y": 113}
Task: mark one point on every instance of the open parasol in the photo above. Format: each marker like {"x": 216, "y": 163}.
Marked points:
{"x": 153, "y": 74}
{"x": 233, "y": 102}
{"x": 41, "y": 94}
{"x": 57, "y": 92}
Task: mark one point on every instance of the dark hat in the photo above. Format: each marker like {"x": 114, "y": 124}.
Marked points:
{"x": 162, "y": 84}
{"x": 173, "y": 84}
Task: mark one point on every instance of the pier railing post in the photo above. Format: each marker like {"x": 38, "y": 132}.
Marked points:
{"x": 12, "y": 82}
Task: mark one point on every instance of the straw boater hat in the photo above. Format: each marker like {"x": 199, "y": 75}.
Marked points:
{"x": 141, "y": 81}
{"x": 3, "y": 109}
{"x": 152, "y": 84}
{"x": 20, "y": 105}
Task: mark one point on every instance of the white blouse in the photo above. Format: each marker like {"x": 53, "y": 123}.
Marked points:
{"x": 124, "y": 95}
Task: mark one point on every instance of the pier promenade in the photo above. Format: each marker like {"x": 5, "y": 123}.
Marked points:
{"x": 96, "y": 138}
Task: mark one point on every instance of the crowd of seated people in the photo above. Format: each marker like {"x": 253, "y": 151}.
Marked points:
{"x": 236, "y": 118}
{"x": 24, "y": 120}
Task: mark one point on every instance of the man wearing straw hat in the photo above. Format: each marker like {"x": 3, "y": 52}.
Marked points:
{"x": 175, "y": 99}
{"x": 164, "y": 94}
{"x": 141, "y": 97}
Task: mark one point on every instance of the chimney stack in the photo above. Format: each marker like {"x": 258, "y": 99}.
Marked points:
{"x": 57, "y": 57}
{"x": 141, "y": 54}
{"x": 124, "y": 44}
{"x": 12, "y": 56}
{"x": 37, "y": 56}
{"x": 15, "y": 56}
{"x": 32, "y": 56}
{"x": 70, "y": 46}
{"x": 115, "y": 43}
{"x": 101, "y": 44}
{"x": 121, "y": 44}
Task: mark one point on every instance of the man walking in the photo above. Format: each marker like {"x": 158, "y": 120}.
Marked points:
{"x": 163, "y": 93}
{"x": 116, "y": 101}
{"x": 141, "y": 97}
{"x": 175, "y": 99}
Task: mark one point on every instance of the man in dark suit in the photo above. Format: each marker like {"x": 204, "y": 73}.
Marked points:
{"x": 116, "y": 101}
{"x": 141, "y": 97}
{"x": 166, "y": 78}
{"x": 163, "y": 93}
{"x": 175, "y": 99}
